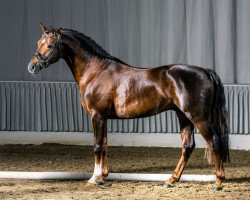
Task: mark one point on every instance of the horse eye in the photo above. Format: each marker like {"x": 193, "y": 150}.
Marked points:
{"x": 49, "y": 46}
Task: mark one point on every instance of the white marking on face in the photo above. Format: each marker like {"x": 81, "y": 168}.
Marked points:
{"x": 43, "y": 41}
{"x": 97, "y": 173}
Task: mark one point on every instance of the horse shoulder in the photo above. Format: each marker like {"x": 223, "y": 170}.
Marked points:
{"x": 97, "y": 91}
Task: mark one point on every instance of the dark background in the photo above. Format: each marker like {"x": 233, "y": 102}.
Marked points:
{"x": 207, "y": 33}
{"x": 213, "y": 34}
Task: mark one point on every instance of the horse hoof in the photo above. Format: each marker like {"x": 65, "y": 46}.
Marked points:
{"x": 91, "y": 184}
{"x": 166, "y": 186}
{"x": 217, "y": 188}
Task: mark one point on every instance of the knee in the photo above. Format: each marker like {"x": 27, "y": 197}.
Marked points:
{"x": 189, "y": 146}
{"x": 188, "y": 149}
{"x": 192, "y": 146}
{"x": 97, "y": 149}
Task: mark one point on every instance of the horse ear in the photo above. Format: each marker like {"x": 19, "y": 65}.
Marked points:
{"x": 43, "y": 28}
{"x": 53, "y": 30}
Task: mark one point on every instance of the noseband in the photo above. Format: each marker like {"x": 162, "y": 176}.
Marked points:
{"x": 44, "y": 60}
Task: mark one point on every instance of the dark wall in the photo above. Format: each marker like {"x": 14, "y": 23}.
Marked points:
{"x": 42, "y": 106}
{"x": 213, "y": 34}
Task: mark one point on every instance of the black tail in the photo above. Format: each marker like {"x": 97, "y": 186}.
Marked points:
{"x": 219, "y": 116}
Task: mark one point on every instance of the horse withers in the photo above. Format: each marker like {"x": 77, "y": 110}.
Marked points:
{"x": 111, "y": 89}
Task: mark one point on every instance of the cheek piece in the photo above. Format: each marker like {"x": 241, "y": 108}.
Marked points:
{"x": 43, "y": 60}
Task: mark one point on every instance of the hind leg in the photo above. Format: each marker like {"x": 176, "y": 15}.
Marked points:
{"x": 214, "y": 147}
{"x": 188, "y": 145}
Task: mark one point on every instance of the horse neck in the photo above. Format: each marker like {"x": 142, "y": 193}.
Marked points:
{"x": 80, "y": 61}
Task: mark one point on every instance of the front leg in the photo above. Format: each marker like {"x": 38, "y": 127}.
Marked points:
{"x": 99, "y": 124}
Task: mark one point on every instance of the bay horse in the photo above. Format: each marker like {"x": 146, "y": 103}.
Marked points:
{"x": 111, "y": 89}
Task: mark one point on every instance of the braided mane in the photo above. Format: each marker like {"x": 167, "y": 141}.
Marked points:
{"x": 89, "y": 44}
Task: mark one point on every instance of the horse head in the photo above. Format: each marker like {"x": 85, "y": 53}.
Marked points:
{"x": 48, "y": 50}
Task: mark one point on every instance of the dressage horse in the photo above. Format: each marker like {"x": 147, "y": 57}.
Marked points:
{"x": 111, "y": 89}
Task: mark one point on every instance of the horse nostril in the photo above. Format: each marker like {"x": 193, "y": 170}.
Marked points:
{"x": 32, "y": 67}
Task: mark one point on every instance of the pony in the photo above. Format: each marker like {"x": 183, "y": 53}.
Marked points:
{"x": 111, "y": 89}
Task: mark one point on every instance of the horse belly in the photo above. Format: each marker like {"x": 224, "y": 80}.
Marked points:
{"x": 140, "y": 107}
{"x": 139, "y": 96}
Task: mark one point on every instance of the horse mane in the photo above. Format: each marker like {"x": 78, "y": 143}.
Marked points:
{"x": 89, "y": 44}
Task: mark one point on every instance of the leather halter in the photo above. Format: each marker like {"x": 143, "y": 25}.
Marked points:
{"x": 44, "y": 60}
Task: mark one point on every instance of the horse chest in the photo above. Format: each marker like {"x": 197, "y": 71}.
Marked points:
{"x": 95, "y": 99}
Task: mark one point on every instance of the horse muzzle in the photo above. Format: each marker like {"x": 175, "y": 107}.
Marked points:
{"x": 34, "y": 68}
